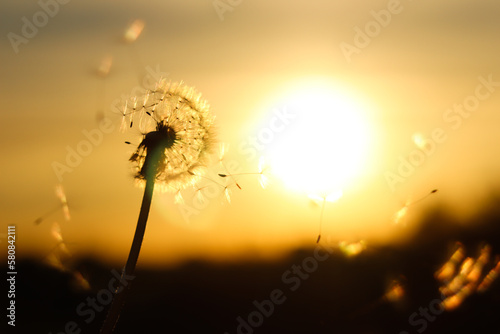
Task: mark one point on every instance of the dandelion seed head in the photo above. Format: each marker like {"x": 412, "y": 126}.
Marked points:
{"x": 178, "y": 135}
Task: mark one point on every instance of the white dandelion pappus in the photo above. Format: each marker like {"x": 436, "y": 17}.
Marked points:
{"x": 178, "y": 135}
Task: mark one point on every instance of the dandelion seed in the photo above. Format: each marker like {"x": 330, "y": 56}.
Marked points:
{"x": 81, "y": 281}
{"x": 401, "y": 213}
{"x": 199, "y": 196}
{"x": 227, "y": 194}
{"x": 263, "y": 168}
{"x": 395, "y": 292}
{"x": 105, "y": 66}
{"x": 223, "y": 148}
{"x": 353, "y": 248}
{"x": 133, "y": 31}
{"x": 398, "y": 216}
{"x": 222, "y": 151}
{"x": 332, "y": 197}
{"x": 60, "y": 254}
{"x": 63, "y": 205}
{"x": 178, "y": 198}
{"x": 62, "y": 197}
{"x": 60, "y": 247}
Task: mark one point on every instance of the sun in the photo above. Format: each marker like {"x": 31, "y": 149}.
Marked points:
{"x": 326, "y": 143}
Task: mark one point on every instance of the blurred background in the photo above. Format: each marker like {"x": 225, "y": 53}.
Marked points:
{"x": 353, "y": 112}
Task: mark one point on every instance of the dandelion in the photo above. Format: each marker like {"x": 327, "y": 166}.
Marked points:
{"x": 176, "y": 144}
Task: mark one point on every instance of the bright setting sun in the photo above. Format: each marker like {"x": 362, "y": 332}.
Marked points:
{"x": 326, "y": 145}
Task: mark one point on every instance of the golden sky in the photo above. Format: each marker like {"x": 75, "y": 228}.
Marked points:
{"x": 383, "y": 100}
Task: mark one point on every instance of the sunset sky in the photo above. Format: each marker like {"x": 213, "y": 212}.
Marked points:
{"x": 381, "y": 100}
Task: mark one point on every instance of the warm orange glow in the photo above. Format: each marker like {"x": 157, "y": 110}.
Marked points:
{"x": 489, "y": 278}
{"x": 468, "y": 280}
{"x": 353, "y": 248}
{"x": 395, "y": 292}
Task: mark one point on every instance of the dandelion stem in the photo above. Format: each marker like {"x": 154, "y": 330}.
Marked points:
{"x": 119, "y": 299}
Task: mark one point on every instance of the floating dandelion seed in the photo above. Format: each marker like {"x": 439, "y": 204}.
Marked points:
{"x": 64, "y": 203}
{"x": 332, "y": 197}
{"x": 105, "y": 66}
{"x": 226, "y": 189}
{"x": 263, "y": 169}
{"x": 395, "y": 292}
{"x": 353, "y": 248}
{"x": 133, "y": 31}
{"x": 222, "y": 151}
{"x": 177, "y": 141}
{"x": 401, "y": 213}
{"x": 59, "y": 190}
{"x": 60, "y": 254}
{"x": 178, "y": 199}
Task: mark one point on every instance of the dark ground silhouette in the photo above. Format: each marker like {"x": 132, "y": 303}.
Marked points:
{"x": 343, "y": 295}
